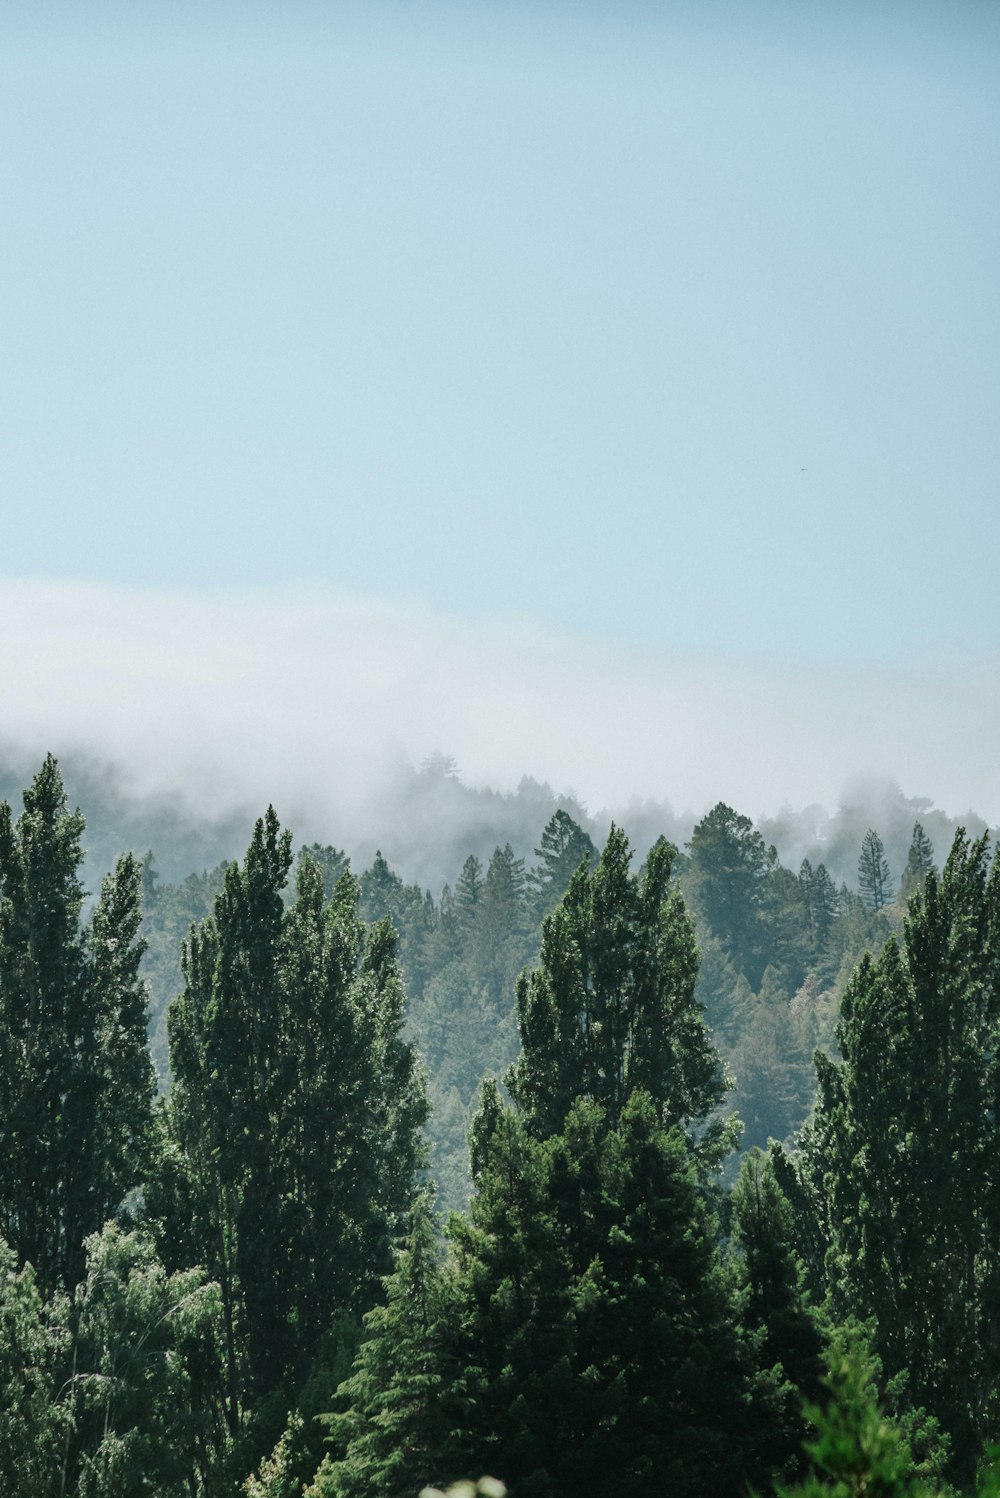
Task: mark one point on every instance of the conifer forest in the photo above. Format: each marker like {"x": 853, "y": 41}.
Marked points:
{"x": 602, "y": 1167}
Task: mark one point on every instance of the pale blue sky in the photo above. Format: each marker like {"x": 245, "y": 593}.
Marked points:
{"x": 672, "y": 325}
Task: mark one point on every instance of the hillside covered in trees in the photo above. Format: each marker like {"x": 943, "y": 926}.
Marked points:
{"x": 587, "y": 1167}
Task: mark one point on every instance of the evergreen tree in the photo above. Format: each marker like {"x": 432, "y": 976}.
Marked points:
{"x": 76, "y": 1081}
{"x": 468, "y": 893}
{"x": 901, "y": 1161}
{"x": 597, "y": 1335}
{"x": 776, "y": 1310}
{"x": 855, "y": 1449}
{"x": 32, "y": 1423}
{"x": 726, "y": 880}
{"x": 611, "y": 1006}
{"x": 395, "y": 1432}
{"x": 819, "y": 895}
{"x": 295, "y": 1112}
{"x": 919, "y": 863}
{"x": 874, "y": 878}
{"x": 563, "y": 848}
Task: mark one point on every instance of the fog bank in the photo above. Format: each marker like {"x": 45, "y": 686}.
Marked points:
{"x": 322, "y": 706}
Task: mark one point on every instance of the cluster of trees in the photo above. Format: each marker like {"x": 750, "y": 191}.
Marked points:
{"x": 243, "y": 1286}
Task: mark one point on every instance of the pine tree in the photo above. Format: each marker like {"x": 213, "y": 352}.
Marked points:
{"x": 901, "y": 1160}
{"x": 76, "y": 1081}
{"x": 855, "y": 1450}
{"x": 919, "y": 863}
{"x": 874, "y": 878}
{"x": 819, "y": 895}
{"x": 727, "y": 881}
{"x": 295, "y": 1112}
{"x": 597, "y": 1335}
{"x": 611, "y": 1006}
{"x": 395, "y": 1431}
{"x": 563, "y": 848}
{"x": 781, "y": 1322}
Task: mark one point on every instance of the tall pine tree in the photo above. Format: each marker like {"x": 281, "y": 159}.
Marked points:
{"x": 76, "y": 1081}
{"x": 902, "y": 1161}
{"x": 598, "y": 1337}
{"x": 295, "y": 1111}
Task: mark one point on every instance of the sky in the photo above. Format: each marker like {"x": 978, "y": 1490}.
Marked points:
{"x": 603, "y": 392}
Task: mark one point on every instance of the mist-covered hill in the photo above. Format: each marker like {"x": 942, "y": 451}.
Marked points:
{"x": 427, "y": 821}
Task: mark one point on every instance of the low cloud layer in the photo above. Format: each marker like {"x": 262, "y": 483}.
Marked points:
{"x": 314, "y": 703}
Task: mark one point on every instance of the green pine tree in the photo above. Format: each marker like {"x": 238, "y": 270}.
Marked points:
{"x": 874, "y": 878}
{"x": 396, "y": 1427}
{"x": 295, "y": 1114}
{"x": 564, "y": 846}
{"x": 727, "y": 880}
{"x": 76, "y": 1081}
{"x": 902, "y": 1161}
{"x": 919, "y": 863}
{"x": 776, "y": 1310}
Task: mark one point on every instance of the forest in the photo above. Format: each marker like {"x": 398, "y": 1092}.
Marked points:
{"x": 601, "y": 1167}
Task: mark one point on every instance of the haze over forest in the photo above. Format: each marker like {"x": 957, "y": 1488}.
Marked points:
{"x": 547, "y": 451}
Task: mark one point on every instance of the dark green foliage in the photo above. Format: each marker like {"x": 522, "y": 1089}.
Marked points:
{"x": 902, "y": 1162}
{"x": 611, "y": 1007}
{"x": 821, "y": 902}
{"x": 32, "y": 1425}
{"x": 394, "y": 1435}
{"x": 333, "y": 864}
{"x": 855, "y": 1451}
{"x": 782, "y": 1326}
{"x": 76, "y": 1083}
{"x": 295, "y": 1111}
{"x": 598, "y": 1336}
{"x": 874, "y": 878}
{"x": 563, "y": 848}
{"x": 168, "y": 913}
{"x": 726, "y": 880}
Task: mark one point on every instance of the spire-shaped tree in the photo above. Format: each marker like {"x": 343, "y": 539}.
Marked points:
{"x": 76, "y": 1080}
{"x": 395, "y": 1432}
{"x": 902, "y": 1157}
{"x": 598, "y": 1336}
{"x": 611, "y": 1006}
{"x": 919, "y": 863}
{"x": 874, "y": 878}
{"x": 295, "y": 1111}
{"x": 563, "y": 848}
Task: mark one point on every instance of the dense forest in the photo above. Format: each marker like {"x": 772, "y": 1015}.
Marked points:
{"x": 598, "y": 1166}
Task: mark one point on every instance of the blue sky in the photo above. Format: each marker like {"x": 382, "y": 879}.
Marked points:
{"x": 665, "y": 329}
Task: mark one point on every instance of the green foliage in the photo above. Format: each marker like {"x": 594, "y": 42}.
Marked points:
{"x": 563, "y": 848}
{"x": 76, "y": 1082}
{"x": 598, "y": 1336}
{"x": 168, "y": 913}
{"x": 294, "y": 1117}
{"x": 856, "y": 1452}
{"x": 395, "y": 1428}
{"x": 874, "y": 878}
{"x": 902, "y": 1162}
{"x": 782, "y": 1326}
{"x": 144, "y": 1396}
{"x": 32, "y": 1424}
{"x": 611, "y": 1007}
{"x": 919, "y": 863}
{"x": 727, "y": 881}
